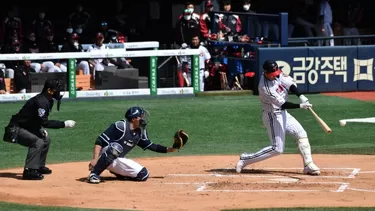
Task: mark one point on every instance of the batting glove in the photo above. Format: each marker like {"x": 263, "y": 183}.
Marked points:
{"x": 305, "y": 105}
{"x": 70, "y": 123}
{"x": 303, "y": 99}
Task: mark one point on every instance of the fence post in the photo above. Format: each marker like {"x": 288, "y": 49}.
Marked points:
{"x": 284, "y": 29}
{"x": 153, "y": 75}
{"x": 195, "y": 74}
{"x": 72, "y": 78}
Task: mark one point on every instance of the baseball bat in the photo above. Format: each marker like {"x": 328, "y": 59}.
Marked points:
{"x": 325, "y": 127}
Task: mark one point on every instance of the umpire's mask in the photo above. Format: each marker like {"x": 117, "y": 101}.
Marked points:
{"x": 54, "y": 85}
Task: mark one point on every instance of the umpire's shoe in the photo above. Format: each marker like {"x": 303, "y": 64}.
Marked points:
{"x": 94, "y": 178}
{"x": 32, "y": 174}
{"x": 45, "y": 170}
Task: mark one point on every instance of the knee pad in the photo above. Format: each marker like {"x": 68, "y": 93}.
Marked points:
{"x": 142, "y": 175}
{"x": 106, "y": 158}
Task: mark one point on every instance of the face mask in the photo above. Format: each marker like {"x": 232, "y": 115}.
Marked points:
{"x": 69, "y": 30}
{"x": 191, "y": 10}
{"x": 76, "y": 44}
{"x": 79, "y": 31}
{"x": 187, "y": 17}
{"x": 246, "y": 7}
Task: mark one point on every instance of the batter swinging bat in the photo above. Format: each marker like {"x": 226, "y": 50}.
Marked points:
{"x": 185, "y": 77}
{"x": 321, "y": 122}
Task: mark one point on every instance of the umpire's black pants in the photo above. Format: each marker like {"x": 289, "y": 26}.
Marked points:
{"x": 38, "y": 146}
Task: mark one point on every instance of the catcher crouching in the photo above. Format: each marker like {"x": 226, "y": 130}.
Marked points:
{"x": 119, "y": 139}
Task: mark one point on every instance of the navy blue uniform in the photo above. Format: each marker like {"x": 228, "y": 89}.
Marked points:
{"x": 116, "y": 142}
{"x": 119, "y": 132}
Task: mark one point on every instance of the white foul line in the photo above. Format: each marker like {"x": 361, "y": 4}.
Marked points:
{"x": 244, "y": 191}
{"x": 366, "y": 172}
{"x": 254, "y": 176}
{"x": 363, "y": 190}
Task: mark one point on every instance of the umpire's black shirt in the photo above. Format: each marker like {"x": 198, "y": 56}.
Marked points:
{"x": 34, "y": 114}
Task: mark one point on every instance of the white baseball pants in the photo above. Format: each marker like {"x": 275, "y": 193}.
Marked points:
{"x": 278, "y": 125}
{"x": 124, "y": 166}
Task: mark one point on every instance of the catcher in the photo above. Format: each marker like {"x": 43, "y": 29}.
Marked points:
{"x": 119, "y": 139}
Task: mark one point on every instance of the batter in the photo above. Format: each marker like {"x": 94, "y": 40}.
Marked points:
{"x": 273, "y": 93}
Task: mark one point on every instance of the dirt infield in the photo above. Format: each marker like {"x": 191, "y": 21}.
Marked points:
{"x": 363, "y": 96}
{"x": 204, "y": 183}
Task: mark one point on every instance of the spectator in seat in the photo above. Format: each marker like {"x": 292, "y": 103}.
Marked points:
{"x": 41, "y": 26}
{"x": 72, "y": 45}
{"x": 48, "y": 45}
{"x": 11, "y": 25}
{"x": 3, "y": 89}
{"x": 22, "y": 77}
{"x": 31, "y": 46}
{"x": 79, "y": 19}
{"x": 14, "y": 47}
{"x": 98, "y": 65}
{"x": 187, "y": 25}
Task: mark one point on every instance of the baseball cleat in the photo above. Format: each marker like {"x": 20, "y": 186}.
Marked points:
{"x": 311, "y": 169}
{"x": 239, "y": 166}
{"x": 44, "y": 170}
{"x": 32, "y": 174}
{"x": 94, "y": 178}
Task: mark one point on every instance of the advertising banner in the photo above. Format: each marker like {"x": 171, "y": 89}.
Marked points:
{"x": 325, "y": 69}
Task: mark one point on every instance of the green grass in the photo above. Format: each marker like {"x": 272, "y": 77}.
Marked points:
{"x": 216, "y": 125}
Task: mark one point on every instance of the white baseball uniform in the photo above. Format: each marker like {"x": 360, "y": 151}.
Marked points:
{"x": 273, "y": 94}
{"x": 204, "y": 55}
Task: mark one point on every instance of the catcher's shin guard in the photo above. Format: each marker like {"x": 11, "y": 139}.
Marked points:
{"x": 107, "y": 157}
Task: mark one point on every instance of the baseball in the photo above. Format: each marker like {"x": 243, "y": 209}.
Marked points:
{"x": 342, "y": 123}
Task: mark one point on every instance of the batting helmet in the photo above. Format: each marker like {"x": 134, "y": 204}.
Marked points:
{"x": 270, "y": 68}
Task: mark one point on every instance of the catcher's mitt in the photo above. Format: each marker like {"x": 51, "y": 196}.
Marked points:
{"x": 180, "y": 139}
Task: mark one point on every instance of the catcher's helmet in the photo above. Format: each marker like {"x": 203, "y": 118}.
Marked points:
{"x": 135, "y": 112}
{"x": 270, "y": 68}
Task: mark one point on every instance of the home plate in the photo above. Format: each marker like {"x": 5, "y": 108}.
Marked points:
{"x": 285, "y": 180}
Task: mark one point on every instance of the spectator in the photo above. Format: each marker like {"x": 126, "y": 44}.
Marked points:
{"x": 12, "y": 26}
{"x": 205, "y": 23}
{"x": 48, "y": 45}
{"x": 99, "y": 64}
{"x": 251, "y": 25}
{"x": 187, "y": 25}
{"x": 30, "y": 45}
{"x": 14, "y": 47}
{"x": 232, "y": 26}
{"x": 107, "y": 33}
{"x": 214, "y": 3}
{"x": 325, "y": 22}
{"x": 79, "y": 19}
{"x": 3, "y": 89}
{"x": 72, "y": 45}
{"x": 352, "y": 16}
{"x": 22, "y": 77}
{"x": 41, "y": 26}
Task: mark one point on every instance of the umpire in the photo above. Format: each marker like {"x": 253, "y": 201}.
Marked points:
{"x": 27, "y": 129}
